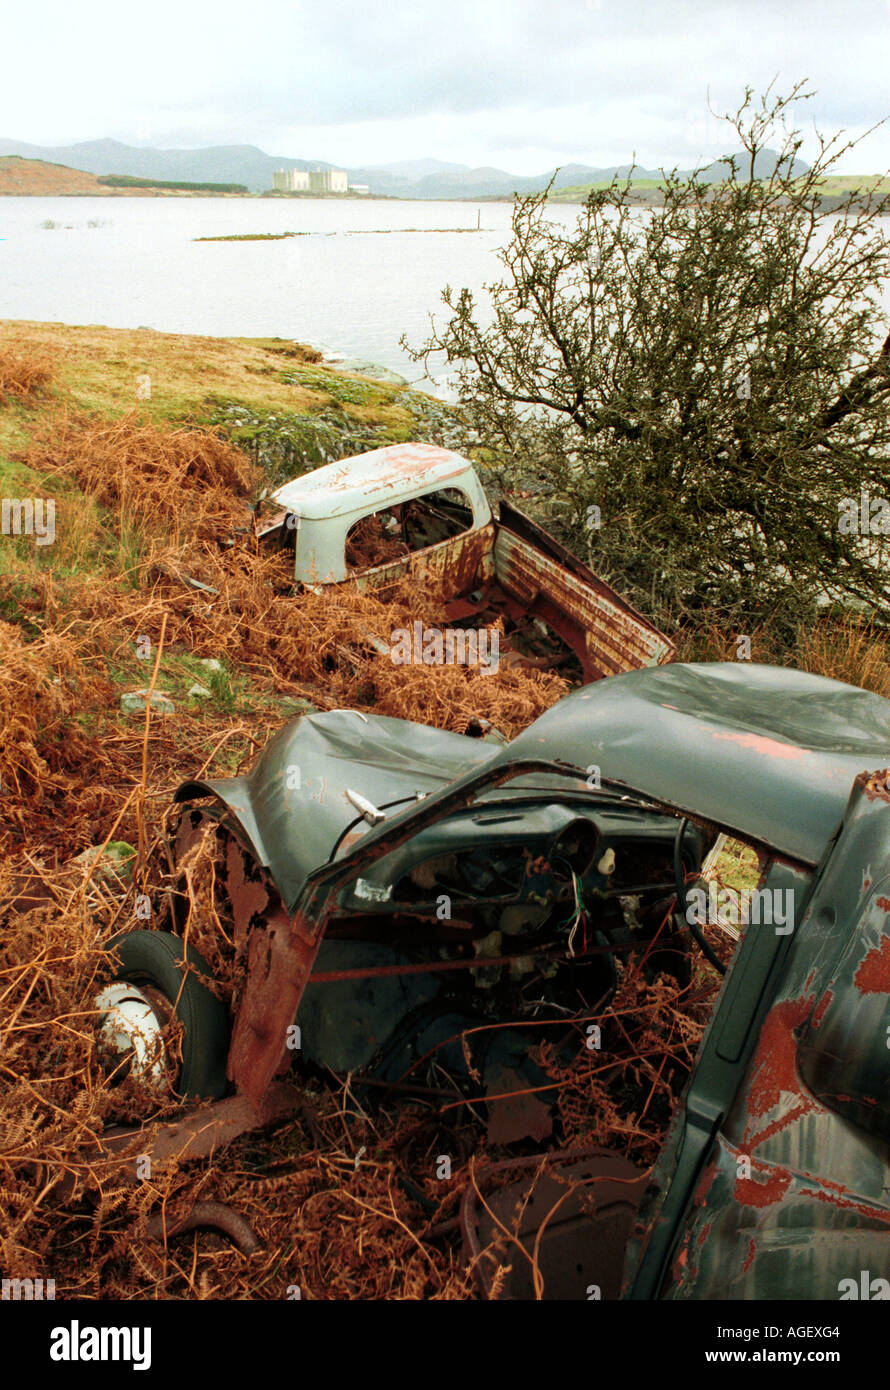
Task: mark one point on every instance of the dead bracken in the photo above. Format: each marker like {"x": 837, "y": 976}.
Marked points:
{"x": 326, "y": 1176}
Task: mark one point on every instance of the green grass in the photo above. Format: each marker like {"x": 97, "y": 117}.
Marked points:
{"x": 832, "y": 186}
{"x": 99, "y": 369}
{"x": 252, "y": 236}
{"x": 737, "y": 866}
{"x": 843, "y": 183}
{"x": 180, "y": 185}
{"x": 347, "y": 390}
{"x": 230, "y": 692}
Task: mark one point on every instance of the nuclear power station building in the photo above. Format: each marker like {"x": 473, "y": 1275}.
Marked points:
{"x": 310, "y": 181}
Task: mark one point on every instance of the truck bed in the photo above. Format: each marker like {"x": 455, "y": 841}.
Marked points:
{"x": 514, "y": 569}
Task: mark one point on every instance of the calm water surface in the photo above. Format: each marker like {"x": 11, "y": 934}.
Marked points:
{"x": 358, "y": 281}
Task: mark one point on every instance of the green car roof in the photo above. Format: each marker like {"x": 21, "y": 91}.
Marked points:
{"x": 770, "y": 752}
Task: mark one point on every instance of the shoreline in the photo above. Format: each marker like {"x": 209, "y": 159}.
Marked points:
{"x": 832, "y": 202}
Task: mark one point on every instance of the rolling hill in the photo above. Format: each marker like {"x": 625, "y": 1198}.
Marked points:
{"x": 249, "y": 165}
{"x": 36, "y": 176}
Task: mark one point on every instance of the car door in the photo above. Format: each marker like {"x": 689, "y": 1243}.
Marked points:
{"x": 774, "y": 1181}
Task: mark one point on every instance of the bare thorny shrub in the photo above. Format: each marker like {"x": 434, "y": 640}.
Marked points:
{"x": 696, "y": 391}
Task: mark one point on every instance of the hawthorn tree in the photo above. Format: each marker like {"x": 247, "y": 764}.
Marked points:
{"x": 697, "y": 392}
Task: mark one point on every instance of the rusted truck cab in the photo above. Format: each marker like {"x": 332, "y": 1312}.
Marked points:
{"x": 418, "y": 509}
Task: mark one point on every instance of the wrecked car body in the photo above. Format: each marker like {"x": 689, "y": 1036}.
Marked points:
{"x": 417, "y": 510}
{"x": 490, "y": 893}
{"x": 438, "y": 882}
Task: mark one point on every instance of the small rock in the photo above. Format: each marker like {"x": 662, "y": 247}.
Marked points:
{"x": 210, "y": 663}
{"x": 199, "y": 692}
{"x": 134, "y": 702}
{"x": 362, "y": 367}
{"x": 116, "y": 861}
{"x": 294, "y": 704}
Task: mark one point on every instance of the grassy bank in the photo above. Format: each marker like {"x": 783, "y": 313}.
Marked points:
{"x": 197, "y": 424}
{"x": 648, "y": 192}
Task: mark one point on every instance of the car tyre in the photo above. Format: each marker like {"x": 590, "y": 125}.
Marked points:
{"x": 155, "y": 958}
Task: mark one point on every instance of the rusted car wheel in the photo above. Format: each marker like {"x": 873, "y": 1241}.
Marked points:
{"x": 148, "y": 990}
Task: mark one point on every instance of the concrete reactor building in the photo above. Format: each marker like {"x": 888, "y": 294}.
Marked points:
{"x": 310, "y": 181}
{"x": 290, "y": 181}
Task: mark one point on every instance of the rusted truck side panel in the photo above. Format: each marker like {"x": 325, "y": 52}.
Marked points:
{"x": 523, "y": 563}
{"x": 606, "y": 634}
{"x": 512, "y": 566}
{"x": 461, "y": 563}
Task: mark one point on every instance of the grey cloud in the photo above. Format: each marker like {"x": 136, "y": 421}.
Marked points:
{"x": 587, "y": 79}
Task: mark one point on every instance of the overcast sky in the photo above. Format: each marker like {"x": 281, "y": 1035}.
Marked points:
{"x": 520, "y": 84}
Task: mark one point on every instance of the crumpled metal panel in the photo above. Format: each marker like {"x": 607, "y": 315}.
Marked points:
{"x": 293, "y": 829}
{"x": 767, "y": 752}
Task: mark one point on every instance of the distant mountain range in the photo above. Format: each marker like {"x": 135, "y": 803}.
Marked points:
{"x": 413, "y": 178}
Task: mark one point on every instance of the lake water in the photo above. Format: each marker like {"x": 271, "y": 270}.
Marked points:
{"x": 358, "y": 281}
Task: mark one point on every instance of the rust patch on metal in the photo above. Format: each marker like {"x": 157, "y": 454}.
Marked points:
{"x": 605, "y": 633}
{"x": 873, "y": 975}
{"x": 775, "y": 1064}
{"x": 202, "y": 1132}
{"x": 213, "y": 1214}
{"x": 280, "y": 955}
{"x": 845, "y": 1202}
{"x": 751, "y": 1193}
{"x": 875, "y": 786}
{"x": 795, "y": 1113}
{"x": 679, "y": 1266}
{"x": 819, "y": 1011}
{"x": 461, "y": 562}
{"x": 249, "y": 892}
{"x": 759, "y": 743}
{"x": 197, "y": 1135}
